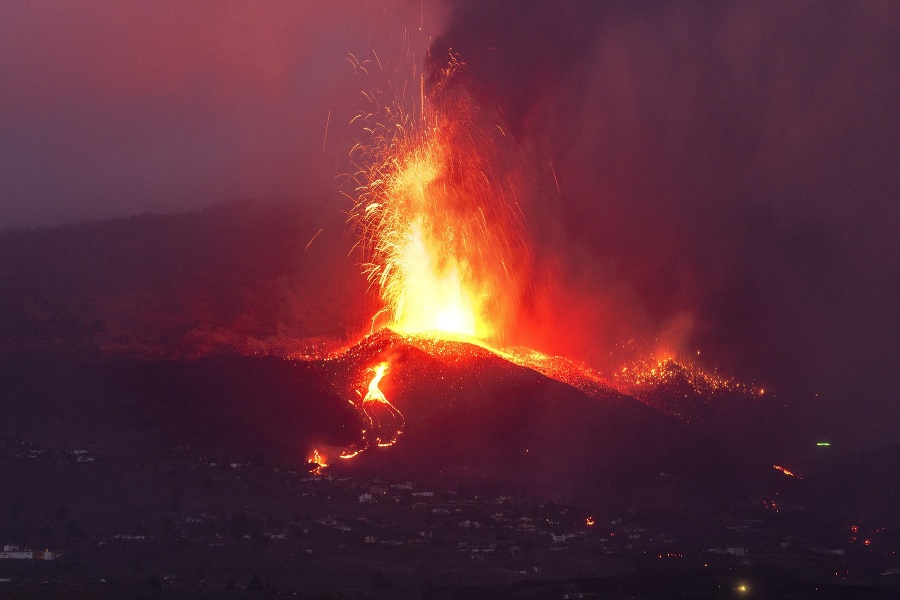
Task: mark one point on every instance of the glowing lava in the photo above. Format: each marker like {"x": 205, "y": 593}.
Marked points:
{"x": 439, "y": 234}
{"x": 374, "y": 394}
{"x": 786, "y": 471}
{"x": 665, "y": 370}
{"x": 319, "y": 461}
{"x": 383, "y": 422}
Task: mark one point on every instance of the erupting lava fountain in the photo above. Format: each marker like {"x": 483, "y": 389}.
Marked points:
{"x": 443, "y": 243}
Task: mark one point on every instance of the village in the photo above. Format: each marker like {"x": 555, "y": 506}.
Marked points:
{"x": 187, "y": 518}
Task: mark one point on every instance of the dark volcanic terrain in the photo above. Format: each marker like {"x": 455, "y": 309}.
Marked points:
{"x": 164, "y": 379}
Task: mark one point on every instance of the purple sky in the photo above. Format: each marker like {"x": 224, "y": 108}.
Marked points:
{"x": 110, "y": 108}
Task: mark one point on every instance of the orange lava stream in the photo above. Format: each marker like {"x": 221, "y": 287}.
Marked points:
{"x": 785, "y": 471}
{"x": 318, "y": 460}
{"x": 443, "y": 246}
{"x": 374, "y": 394}
{"x": 384, "y": 423}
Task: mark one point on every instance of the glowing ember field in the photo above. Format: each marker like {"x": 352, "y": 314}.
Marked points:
{"x": 383, "y": 423}
{"x": 442, "y": 239}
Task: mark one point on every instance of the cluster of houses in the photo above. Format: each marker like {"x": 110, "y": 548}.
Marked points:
{"x": 469, "y": 524}
{"x": 483, "y": 527}
{"x": 31, "y": 451}
{"x": 13, "y": 552}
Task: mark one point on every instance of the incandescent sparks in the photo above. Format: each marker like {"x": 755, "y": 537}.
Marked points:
{"x": 648, "y": 374}
{"x": 440, "y": 234}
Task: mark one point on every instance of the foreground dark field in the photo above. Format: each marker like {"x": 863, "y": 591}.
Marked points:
{"x": 176, "y": 524}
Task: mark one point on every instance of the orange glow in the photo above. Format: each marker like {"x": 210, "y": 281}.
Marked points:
{"x": 589, "y": 521}
{"x": 374, "y": 394}
{"x": 785, "y": 471}
{"x": 317, "y": 459}
{"x": 384, "y": 423}
{"x": 665, "y": 369}
{"x": 439, "y": 234}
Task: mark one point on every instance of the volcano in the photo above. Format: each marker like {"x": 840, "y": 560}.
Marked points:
{"x": 474, "y": 416}
{"x": 108, "y": 374}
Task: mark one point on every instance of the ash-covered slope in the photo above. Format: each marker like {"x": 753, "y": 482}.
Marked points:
{"x": 238, "y": 407}
{"x": 714, "y": 404}
{"x": 473, "y": 416}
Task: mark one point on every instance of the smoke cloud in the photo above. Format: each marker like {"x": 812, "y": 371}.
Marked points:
{"x": 714, "y": 179}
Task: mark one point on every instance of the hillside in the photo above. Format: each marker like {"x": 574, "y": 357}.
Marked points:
{"x": 240, "y": 277}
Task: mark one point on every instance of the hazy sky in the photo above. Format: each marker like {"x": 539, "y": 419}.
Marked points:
{"x": 110, "y": 108}
{"x": 716, "y": 176}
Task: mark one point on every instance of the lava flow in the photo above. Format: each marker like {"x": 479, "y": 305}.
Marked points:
{"x": 786, "y": 471}
{"x": 384, "y": 422}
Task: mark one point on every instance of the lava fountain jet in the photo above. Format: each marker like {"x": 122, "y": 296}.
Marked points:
{"x": 441, "y": 231}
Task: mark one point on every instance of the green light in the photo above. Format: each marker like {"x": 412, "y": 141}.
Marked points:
{"x": 823, "y": 443}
